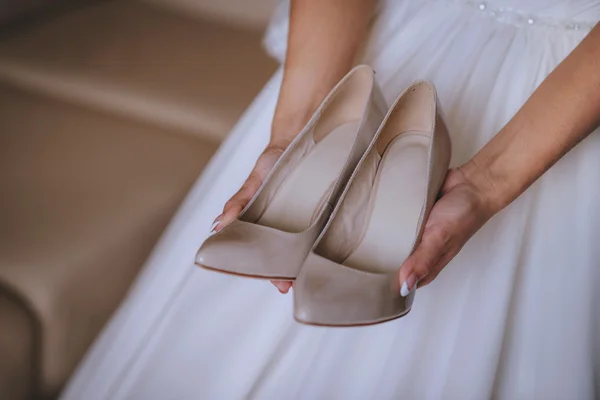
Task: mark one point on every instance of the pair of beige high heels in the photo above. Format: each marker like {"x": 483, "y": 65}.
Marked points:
{"x": 345, "y": 205}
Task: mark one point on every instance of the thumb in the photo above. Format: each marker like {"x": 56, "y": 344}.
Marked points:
{"x": 423, "y": 260}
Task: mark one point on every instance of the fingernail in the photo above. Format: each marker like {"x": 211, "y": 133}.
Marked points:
{"x": 409, "y": 284}
{"x": 212, "y": 228}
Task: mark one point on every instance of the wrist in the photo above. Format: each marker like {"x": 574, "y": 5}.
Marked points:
{"x": 286, "y": 126}
{"x": 489, "y": 189}
{"x": 302, "y": 90}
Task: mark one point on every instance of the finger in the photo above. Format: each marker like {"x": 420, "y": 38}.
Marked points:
{"x": 214, "y": 225}
{"x": 424, "y": 259}
{"x": 236, "y": 204}
{"x": 245, "y": 194}
{"x": 242, "y": 197}
{"x": 283, "y": 286}
{"x": 261, "y": 169}
{"x": 229, "y": 216}
{"x": 218, "y": 218}
{"x": 435, "y": 271}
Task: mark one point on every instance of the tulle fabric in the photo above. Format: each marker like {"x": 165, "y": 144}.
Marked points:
{"x": 516, "y": 315}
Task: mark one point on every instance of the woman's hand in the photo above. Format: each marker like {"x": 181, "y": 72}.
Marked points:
{"x": 323, "y": 39}
{"x": 242, "y": 197}
{"x": 239, "y": 200}
{"x": 461, "y": 210}
{"x": 562, "y": 111}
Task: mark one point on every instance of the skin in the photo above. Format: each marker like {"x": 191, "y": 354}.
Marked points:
{"x": 324, "y": 38}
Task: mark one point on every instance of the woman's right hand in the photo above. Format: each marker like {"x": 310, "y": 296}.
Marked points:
{"x": 234, "y": 206}
{"x": 242, "y": 197}
{"x": 323, "y": 39}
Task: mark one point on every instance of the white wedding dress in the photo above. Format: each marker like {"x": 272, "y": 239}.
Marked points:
{"x": 516, "y": 315}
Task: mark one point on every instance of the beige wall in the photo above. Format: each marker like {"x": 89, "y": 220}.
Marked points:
{"x": 108, "y": 113}
{"x": 252, "y": 13}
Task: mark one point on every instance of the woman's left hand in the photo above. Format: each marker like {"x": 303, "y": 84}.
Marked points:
{"x": 462, "y": 210}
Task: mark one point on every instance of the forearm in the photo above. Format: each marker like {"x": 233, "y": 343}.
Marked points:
{"x": 322, "y": 44}
{"x": 561, "y": 112}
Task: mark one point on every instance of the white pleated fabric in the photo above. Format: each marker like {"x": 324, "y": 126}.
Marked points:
{"x": 516, "y": 315}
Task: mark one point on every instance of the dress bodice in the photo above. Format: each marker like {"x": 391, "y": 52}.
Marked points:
{"x": 567, "y": 14}
{"x": 556, "y": 18}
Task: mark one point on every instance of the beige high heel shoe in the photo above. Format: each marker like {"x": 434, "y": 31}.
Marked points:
{"x": 277, "y": 229}
{"x": 350, "y": 277}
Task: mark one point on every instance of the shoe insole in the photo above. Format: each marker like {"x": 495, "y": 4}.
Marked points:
{"x": 294, "y": 204}
{"x": 397, "y": 198}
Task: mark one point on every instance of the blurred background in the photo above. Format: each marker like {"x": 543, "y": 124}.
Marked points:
{"x": 109, "y": 110}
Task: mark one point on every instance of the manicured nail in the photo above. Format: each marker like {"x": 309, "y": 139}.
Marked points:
{"x": 409, "y": 285}
{"x": 212, "y": 228}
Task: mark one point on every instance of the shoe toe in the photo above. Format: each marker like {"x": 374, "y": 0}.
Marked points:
{"x": 242, "y": 248}
{"x": 331, "y": 294}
